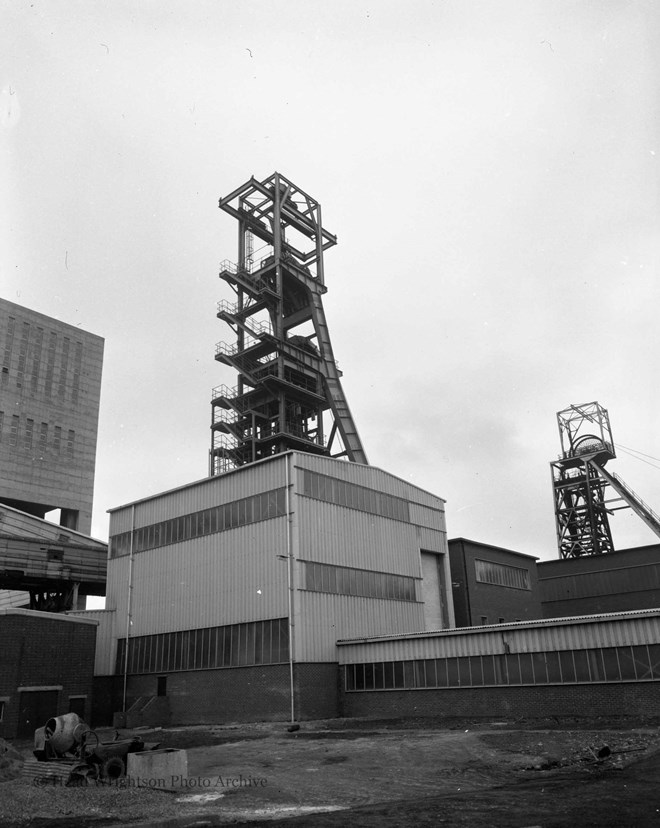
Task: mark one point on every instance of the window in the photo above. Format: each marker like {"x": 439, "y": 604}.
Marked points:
{"x": 36, "y": 357}
{"x": 64, "y": 367}
{"x": 13, "y": 433}
{"x": 599, "y": 664}
{"x": 29, "y": 433}
{"x": 342, "y": 493}
{"x": 343, "y": 580}
{"x": 514, "y": 577}
{"x": 197, "y": 524}
{"x": 233, "y": 645}
{"x": 77, "y": 368}
{"x": 22, "y": 354}
{"x": 9, "y": 345}
{"x": 50, "y": 363}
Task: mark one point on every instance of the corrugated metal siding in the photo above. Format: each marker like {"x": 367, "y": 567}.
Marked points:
{"x": 432, "y": 540}
{"x": 14, "y": 598}
{"x": 369, "y": 476}
{"x": 338, "y": 535}
{"x": 104, "y": 661}
{"x": 321, "y": 619}
{"x": 205, "y": 582}
{"x": 604, "y": 632}
{"x": 22, "y": 525}
{"x": 261, "y": 477}
{"x": 430, "y": 518}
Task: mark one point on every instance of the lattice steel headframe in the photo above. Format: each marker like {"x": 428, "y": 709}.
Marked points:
{"x": 289, "y": 393}
{"x": 581, "y": 484}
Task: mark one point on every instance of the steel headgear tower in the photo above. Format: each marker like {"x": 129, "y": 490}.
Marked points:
{"x": 581, "y": 484}
{"x": 287, "y": 375}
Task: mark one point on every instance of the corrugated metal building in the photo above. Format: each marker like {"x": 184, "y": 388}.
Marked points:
{"x": 236, "y": 588}
{"x": 583, "y": 666}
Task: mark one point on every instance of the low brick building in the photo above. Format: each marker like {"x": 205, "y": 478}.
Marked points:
{"x": 491, "y": 585}
{"x": 596, "y": 665}
{"x": 46, "y": 669}
{"x": 627, "y": 579}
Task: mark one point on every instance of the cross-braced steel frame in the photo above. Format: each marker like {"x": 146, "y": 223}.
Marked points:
{"x": 288, "y": 393}
{"x": 581, "y": 484}
{"x": 581, "y": 514}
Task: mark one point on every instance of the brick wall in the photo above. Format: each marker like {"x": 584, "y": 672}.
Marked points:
{"x": 216, "y": 696}
{"x": 38, "y": 651}
{"x": 577, "y": 700}
{"x": 239, "y": 694}
{"x": 317, "y": 690}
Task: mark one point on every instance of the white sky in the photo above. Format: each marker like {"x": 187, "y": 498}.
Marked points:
{"x": 490, "y": 169}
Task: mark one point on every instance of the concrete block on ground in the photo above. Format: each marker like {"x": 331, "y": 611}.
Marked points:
{"x": 164, "y": 768}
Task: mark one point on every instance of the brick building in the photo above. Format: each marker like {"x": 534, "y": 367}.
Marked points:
{"x": 597, "y": 665}
{"x": 491, "y": 585}
{"x": 46, "y": 669}
{"x": 627, "y": 579}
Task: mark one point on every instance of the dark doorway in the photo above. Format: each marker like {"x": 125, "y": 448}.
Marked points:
{"x": 162, "y": 686}
{"x": 77, "y": 705}
{"x": 34, "y": 709}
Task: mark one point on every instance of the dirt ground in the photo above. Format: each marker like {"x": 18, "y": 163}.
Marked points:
{"x": 341, "y": 772}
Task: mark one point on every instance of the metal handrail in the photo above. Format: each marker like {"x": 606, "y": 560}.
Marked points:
{"x": 224, "y": 391}
{"x": 223, "y": 415}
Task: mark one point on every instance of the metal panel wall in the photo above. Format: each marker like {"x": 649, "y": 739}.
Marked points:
{"x": 321, "y": 619}
{"x": 203, "y": 494}
{"x": 104, "y": 661}
{"x": 242, "y": 574}
{"x": 578, "y": 634}
{"x": 369, "y": 476}
{"x": 225, "y": 578}
{"x": 346, "y": 537}
{"x": 432, "y": 540}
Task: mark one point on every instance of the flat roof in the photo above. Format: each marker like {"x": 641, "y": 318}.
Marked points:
{"x": 52, "y": 320}
{"x": 50, "y": 616}
{"x": 492, "y": 546}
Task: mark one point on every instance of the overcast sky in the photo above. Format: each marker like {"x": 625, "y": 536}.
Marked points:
{"x": 490, "y": 169}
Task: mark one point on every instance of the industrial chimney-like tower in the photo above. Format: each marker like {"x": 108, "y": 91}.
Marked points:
{"x": 289, "y": 393}
{"x": 581, "y": 484}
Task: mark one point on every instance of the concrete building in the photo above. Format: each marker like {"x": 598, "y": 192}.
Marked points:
{"x": 236, "y": 588}
{"x": 50, "y": 385}
{"x": 627, "y": 579}
{"x": 492, "y": 585}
